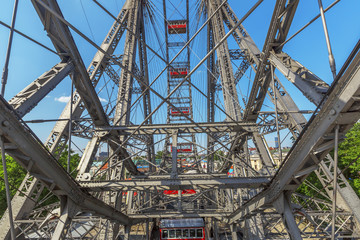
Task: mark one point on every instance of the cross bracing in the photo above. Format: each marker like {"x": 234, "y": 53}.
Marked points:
{"x": 181, "y": 96}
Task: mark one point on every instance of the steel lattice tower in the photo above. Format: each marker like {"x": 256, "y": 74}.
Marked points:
{"x": 149, "y": 121}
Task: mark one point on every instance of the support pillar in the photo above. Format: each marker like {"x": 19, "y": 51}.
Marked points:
{"x": 264, "y": 153}
{"x": 147, "y": 229}
{"x": 283, "y": 206}
{"x": 233, "y": 229}
{"x": 127, "y": 232}
{"x": 68, "y": 211}
{"x": 254, "y": 228}
{"x": 216, "y": 229}
{"x": 333, "y": 224}
{"x": 174, "y": 155}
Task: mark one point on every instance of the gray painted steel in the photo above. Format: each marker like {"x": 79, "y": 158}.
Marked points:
{"x": 252, "y": 200}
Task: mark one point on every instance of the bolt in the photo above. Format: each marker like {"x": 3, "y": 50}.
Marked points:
{"x": 5, "y": 123}
{"x": 332, "y": 112}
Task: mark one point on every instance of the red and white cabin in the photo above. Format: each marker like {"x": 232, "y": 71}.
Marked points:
{"x": 185, "y": 228}
{"x": 177, "y": 27}
{"x": 178, "y": 72}
{"x": 176, "y": 192}
{"x": 179, "y": 111}
{"x": 183, "y": 147}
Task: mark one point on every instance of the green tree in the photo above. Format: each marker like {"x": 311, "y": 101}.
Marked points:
{"x": 219, "y": 156}
{"x": 349, "y": 160}
{"x": 159, "y": 154}
{"x": 74, "y": 162}
{"x": 349, "y": 157}
{"x": 307, "y": 190}
{"x": 16, "y": 174}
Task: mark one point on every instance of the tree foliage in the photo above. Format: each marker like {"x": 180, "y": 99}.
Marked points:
{"x": 349, "y": 162}
{"x": 349, "y": 157}
{"x": 16, "y": 174}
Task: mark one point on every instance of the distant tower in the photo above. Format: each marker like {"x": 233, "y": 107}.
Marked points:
{"x": 276, "y": 142}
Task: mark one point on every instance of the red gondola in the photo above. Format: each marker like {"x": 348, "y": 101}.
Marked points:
{"x": 183, "y": 147}
{"x": 178, "y": 72}
{"x": 175, "y": 192}
{"x": 179, "y": 110}
{"x": 176, "y": 27}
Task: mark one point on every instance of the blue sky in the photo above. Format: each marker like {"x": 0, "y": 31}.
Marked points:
{"x": 28, "y": 61}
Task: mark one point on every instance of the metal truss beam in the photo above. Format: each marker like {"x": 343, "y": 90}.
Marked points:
{"x": 61, "y": 37}
{"x": 62, "y": 40}
{"x": 183, "y": 214}
{"x": 283, "y": 206}
{"x": 290, "y": 68}
{"x": 287, "y": 106}
{"x": 145, "y": 72}
{"x": 279, "y": 27}
{"x": 214, "y": 127}
{"x": 124, "y": 96}
{"x": 341, "y": 108}
{"x": 291, "y": 117}
{"x": 26, "y": 149}
{"x": 57, "y": 139}
{"x": 176, "y": 184}
{"x": 95, "y": 71}
{"x": 309, "y": 84}
{"x": 87, "y": 159}
{"x": 128, "y": 61}
{"x": 27, "y": 99}
{"x": 211, "y": 97}
{"x": 231, "y": 100}
{"x": 315, "y": 90}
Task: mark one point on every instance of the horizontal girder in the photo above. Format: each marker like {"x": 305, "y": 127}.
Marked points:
{"x": 176, "y": 184}
{"x": 181, "y": 128}
{"x": 182, "y": 214}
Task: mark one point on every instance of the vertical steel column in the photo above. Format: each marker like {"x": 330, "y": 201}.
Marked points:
{"x": 211, "y": 95}
{"x": 174, "y": 173}
{"x": 331, "y": 56}
{"x": 216, "y": 229}
{"x": 68, "y": 210}
{"x": 335, "y": 182}
{"x": 7, "y": 190}
{"x": 283, "y": 206}
{"x": 233, "y": 231}
{"x": 147, "y": 229}
{"x": 70, "y": 125}
{"x": 7, "y": 58}
{"x": 127, "y": 232}
{"x": 276, "y": 113}
{"x": 230, "y": 95}
{"x": 165, "y": 158}
{"x": 3, "y": 83}
{"x": 145, "y": 73}
{"x": 194, "y": 146}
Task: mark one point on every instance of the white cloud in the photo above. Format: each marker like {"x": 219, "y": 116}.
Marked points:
{"x": 103, "y": 100}
{"x": 66, "y": 99}
{"x": 63, "y": 99}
